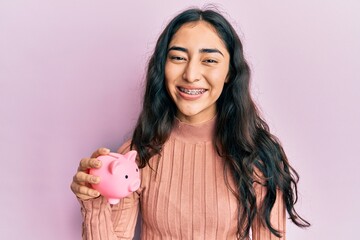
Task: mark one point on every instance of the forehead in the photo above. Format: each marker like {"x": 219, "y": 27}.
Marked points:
{"x": 198, "y": 34}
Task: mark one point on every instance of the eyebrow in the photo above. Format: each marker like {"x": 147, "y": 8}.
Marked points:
{"x": 202, "y": 50}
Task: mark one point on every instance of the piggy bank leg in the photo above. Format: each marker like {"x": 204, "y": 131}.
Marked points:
{"x": 113, "y": 200}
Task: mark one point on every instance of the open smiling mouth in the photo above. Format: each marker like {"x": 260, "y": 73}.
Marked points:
{"x": 192, "y": 91}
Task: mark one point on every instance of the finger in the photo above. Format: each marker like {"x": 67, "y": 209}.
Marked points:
{"x": 84, "y": 192}
{"x": 87, "y": 163}
{"x": 81, "y": 177}
{"x": 100, "y": 151}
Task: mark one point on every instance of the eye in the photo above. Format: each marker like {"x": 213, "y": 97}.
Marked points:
{"x": 177, "y": 58}
{"x": 126, "y": 176}
{"x": 210, "y": 61}
{"x": 137, "y": 170}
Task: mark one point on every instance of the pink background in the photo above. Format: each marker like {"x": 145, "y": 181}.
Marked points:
{"x": 70, "y": 79}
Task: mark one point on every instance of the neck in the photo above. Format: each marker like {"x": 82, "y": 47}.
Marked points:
{"x": 195, "y": 119}
{"x": 195, "y": 132}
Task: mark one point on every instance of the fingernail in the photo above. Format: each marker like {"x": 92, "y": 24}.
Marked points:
{"x": 96, "y": 194}
{"x": 95, "y": 179}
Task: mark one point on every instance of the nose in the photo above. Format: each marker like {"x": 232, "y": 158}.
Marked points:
{"x": 134, "y": 185}
{"x": 192, "y": 72}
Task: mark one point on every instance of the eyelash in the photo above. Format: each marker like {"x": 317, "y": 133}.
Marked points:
{"x": 177, "y": 58}
{"x": 210, "y": 61}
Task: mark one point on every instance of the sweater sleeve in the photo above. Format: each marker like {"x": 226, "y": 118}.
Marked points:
{"x": 112, "y": 222}
{"x": 102, "y": 220}
{"x": 277, "y": 217}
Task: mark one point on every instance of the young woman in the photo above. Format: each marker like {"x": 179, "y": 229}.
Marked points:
{"x": 210, "y": 168}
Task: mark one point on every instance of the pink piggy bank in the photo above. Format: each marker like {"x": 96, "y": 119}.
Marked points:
{"x": 119, "y": 176}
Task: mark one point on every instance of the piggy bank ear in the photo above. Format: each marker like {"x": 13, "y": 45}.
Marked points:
{"x": 114, "y": 166}
{"x": 131, "y": 155}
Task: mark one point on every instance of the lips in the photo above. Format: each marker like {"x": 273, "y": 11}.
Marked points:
{"x": 193, "y": 91}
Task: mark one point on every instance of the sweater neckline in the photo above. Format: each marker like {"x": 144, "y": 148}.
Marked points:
{"x": 193, "y": 133}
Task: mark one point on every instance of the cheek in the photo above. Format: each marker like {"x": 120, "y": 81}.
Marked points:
{"x": 171, "y": 76}
{"x": 167, "y": 77}
{"x": 168, "y": 73}
{"x": 218, "y": 77}
{"x": 169, "y": 87}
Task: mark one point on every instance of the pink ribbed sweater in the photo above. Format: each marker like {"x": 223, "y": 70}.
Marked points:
{"x": 183, "y": 196}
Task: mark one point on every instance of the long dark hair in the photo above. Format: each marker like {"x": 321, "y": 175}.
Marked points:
{"x": 242, "y": 137}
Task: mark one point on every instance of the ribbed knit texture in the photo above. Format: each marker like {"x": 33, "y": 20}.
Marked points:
{"x": 183, "y": 195}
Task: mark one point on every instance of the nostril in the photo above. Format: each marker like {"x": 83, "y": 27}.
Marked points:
{"x": 134, "y": 185}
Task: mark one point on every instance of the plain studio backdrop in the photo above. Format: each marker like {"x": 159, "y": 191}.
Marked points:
{"x": 71, "y": 78}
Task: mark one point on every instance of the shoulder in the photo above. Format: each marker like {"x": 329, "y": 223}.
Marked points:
{"x": 125, "y": 147}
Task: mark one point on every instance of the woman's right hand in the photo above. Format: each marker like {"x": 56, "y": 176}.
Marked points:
{"x": 82, "y": 180}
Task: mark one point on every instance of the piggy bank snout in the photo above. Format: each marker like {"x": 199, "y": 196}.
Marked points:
{"x": 134, "y": 185}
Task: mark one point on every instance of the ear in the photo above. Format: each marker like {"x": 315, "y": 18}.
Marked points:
{"x": 227, "y": 77}
{"x": 131, "y": 156}
{"x": 114, "y": 166}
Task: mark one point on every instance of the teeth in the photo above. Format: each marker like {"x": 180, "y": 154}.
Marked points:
{"x": 192, "y": 91}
